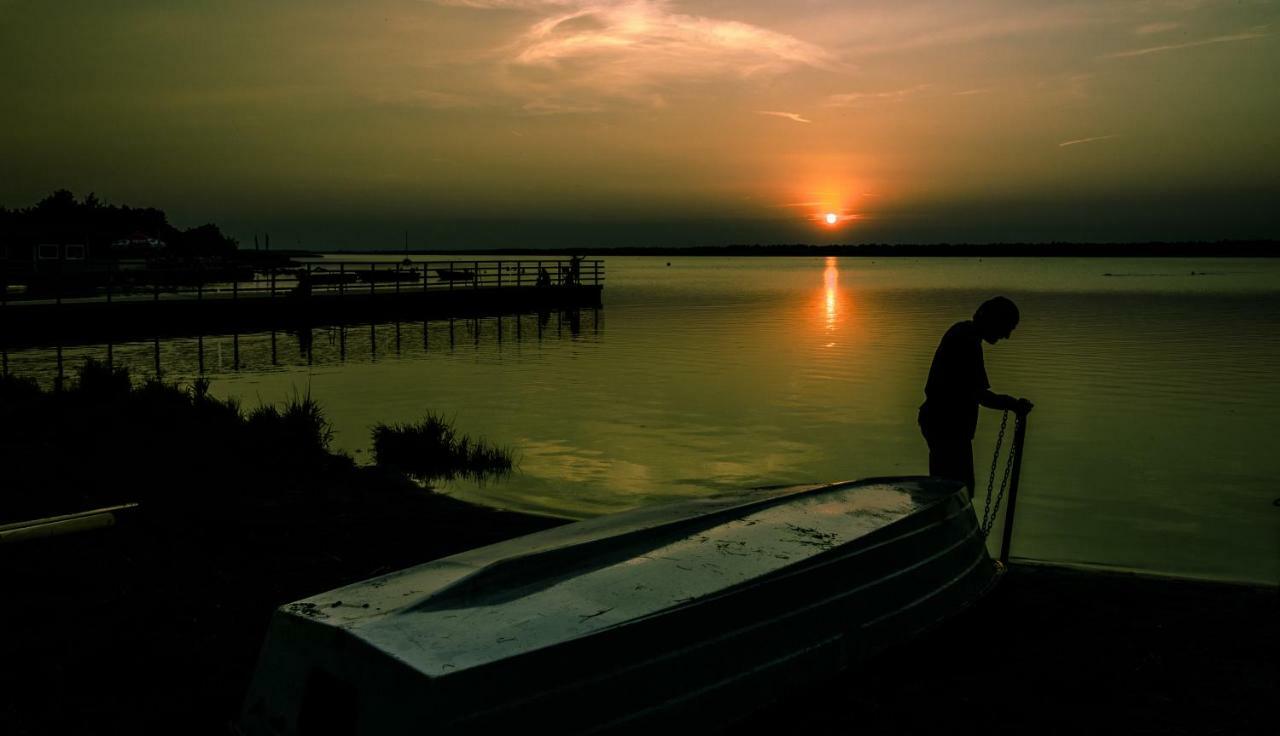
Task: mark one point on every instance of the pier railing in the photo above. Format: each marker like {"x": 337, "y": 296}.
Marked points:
{"x": 112, "y": 281}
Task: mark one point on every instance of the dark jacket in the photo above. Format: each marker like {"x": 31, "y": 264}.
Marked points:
{"x": 957, "y": 378}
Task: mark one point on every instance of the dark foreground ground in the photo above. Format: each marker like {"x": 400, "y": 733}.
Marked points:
{"x": 154, "y": 626}
{"x": 1054, "y": 650}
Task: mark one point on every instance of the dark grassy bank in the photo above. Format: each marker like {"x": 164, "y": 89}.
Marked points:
{"x": 155, "y": 625}
{"x": 103, "y": 440}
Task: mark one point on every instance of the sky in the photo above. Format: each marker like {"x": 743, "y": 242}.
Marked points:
{"x": 486, "y": 123}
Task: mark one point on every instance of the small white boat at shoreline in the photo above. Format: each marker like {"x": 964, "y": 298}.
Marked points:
{"x": 695, "y": 612}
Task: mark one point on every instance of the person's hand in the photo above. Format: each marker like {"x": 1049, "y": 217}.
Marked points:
{"x": 1022, "y": 407}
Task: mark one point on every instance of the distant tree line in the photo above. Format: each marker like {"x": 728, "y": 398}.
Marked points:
{"x": 61, "y": 218}
{"x": 1222, "y": 248}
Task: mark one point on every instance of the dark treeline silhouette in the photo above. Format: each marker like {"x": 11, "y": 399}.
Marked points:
{"x": 61, "y": 218}
{"x": 1222, "y": 248}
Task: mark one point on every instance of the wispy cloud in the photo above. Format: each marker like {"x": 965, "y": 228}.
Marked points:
{"x": 788, "y": 115}
{"x": 638, "y": 50}
{"x": 423, "y": 98}
{"x": 897, "y": 27}
{"x": 1148, "y": 29}
{"x": 1246, "y": 36}
{"x": 851, "y": 99}
{"x": 1078, "y": 141}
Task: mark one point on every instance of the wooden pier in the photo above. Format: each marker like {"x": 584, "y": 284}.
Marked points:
{"x": 147, "y": 303}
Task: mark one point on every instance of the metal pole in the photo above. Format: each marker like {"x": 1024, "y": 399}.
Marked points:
{"x": 1019, "y": 437}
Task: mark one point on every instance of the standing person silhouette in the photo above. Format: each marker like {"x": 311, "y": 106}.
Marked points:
{"x": 958, "y": 384}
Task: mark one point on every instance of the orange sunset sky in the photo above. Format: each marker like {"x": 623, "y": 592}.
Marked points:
{"x": 479, "y": 123}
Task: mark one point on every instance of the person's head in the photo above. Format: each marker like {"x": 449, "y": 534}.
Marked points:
{"x": 996, "y": 318}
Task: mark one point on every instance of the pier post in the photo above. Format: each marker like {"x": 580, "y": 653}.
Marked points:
{"x": 1019, "y": 436}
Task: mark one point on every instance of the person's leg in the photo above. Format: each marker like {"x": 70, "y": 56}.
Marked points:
{"x": 952, "y": 459}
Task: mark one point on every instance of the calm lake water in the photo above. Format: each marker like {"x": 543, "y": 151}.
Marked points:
{"x": 1156, "y": 384}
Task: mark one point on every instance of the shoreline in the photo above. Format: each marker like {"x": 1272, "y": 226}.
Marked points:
{"x": 157, "y": 623}
{"x": 1188, "y": 249}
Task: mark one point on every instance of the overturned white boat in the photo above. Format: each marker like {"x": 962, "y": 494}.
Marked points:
{"x": 695, "y": 612}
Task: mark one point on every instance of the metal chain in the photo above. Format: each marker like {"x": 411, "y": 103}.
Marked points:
{"x": 989, "y": 514}
{"x": 991, "y": 477}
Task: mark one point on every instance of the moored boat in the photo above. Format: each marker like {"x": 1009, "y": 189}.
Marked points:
{"x": 689, "y": 613}
{"x": 454, "y": 274}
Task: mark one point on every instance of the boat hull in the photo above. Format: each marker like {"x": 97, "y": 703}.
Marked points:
{"x": 706, "y": 660}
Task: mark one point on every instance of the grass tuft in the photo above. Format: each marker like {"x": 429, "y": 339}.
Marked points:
{"x": 432, "y": 449}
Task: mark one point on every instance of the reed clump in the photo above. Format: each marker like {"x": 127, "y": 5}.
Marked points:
{"x": 432, "y": 449}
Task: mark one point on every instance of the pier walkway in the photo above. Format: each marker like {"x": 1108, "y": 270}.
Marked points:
{"x": 138, "y": 303}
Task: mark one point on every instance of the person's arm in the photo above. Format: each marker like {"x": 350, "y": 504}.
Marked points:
{"x": 1003, "y": 402}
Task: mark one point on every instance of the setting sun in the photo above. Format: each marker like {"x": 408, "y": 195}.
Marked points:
{"x": 831, "y": 218}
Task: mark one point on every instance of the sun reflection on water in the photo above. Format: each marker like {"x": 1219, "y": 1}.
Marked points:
{"x": 830, "y": 279}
